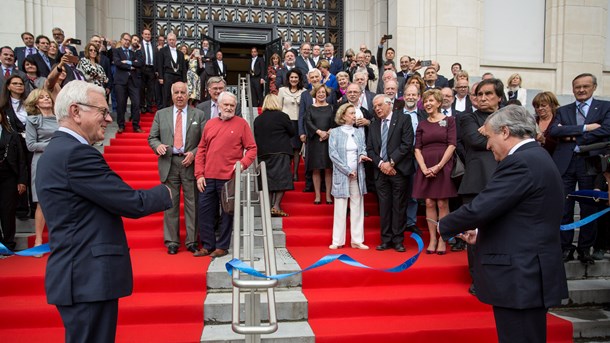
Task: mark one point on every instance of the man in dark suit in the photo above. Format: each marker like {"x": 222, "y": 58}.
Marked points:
{"x": 43, "y": 61}
{"x": 176, "y": 151}
{"x": 455, "y": 68}
{"x": 210, "y": 108}
{"x": 366, "y": 98}
{"x": 304, "y": 63}
{"x": 206, "y": 67}
{"x": 441, "y": 81}
{"x": 21, "y": 52}
{"x": 171, "y": 67}
{"x": 149, "y": 78}
{"x": 89, "y": 268}
{"x": 390, "y": 145}
{"x": 258, "y": 73}
{"x": 219, "y": 65}
{"x": 518, "y": 268}
{"x": 390, "y": 74}
{"x": 62, "y": 43}
{"x": 7, "y": 59}
{"x": 462, "y": 102}
{"x": 583, "y": 122}
{"x": 289, "y": 64}
{"x": 127, "y": 82}
{"x": 390, "y": 53}
{"x": 336, "y": 65}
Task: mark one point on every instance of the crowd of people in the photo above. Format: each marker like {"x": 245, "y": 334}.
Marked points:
{"x": 364, "y": 121}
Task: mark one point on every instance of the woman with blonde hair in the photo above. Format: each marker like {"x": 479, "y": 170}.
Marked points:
{"x": 347, "y": 151}
{"x": 514, "y": 91}
{"x": 40, "y": 126}
{"x": 273, "y": 131}
{"x": 545, "y": 104}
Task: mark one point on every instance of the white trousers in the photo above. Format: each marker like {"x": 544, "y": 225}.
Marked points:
{"x": 356, "y": 204}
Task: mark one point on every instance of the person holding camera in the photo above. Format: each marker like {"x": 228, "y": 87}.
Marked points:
{"x": 583, "y": 122}
{"x": 390, "y": 53}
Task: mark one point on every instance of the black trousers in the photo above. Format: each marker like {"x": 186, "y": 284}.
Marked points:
{"x": 132, "y": 91}
{"x": 92, "y": 322}
{"x": 8, "y": 206}
{"x": 520, "y": 326}
{"x": 148, "y": 89}
{"x": 168, "y": 81}
{"x": 392, "y": 195}
{"x": 257, "y": 91}
{"x": 576, "y": 174}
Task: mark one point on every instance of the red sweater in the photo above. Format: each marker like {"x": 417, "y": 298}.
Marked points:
{"x": 222, "y": 144}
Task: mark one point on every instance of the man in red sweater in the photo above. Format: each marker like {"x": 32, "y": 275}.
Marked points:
{"x": 222, "y": 144}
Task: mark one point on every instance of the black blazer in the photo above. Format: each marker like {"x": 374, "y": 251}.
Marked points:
{"x": 123, "y": 70}
{"x": 399, "y": 145}
{"x": 467, "y": 108}
{"x": 306, "y": 101}
{"x": 42, "y": 66}
{"x": 273, "y": 131}
{"x": 302, "y": 65}
{"x": 165, "y": 64}
{"x": 479, "y": 163}
{"x": 517, "y": 260}
{"x": 14, "y": 122}
{"x": 216, "y": 68}
{"x": 259, "y": 71}
{"x": 564, "y": 126}
{"x": 90, "y": 236}
{"x": 15, "y": 156}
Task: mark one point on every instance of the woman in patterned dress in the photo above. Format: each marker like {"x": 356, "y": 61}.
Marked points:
{"x": 91, "y": 67}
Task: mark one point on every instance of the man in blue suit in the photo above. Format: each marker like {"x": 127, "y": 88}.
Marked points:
{"x": 586, "y": 121}
{"x": 127, "y": 82}
{"x": 517, "y": 262}
{"x": 83, "y": 201}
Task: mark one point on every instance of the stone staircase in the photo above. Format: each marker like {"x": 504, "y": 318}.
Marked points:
{"x": 291, "y": 304}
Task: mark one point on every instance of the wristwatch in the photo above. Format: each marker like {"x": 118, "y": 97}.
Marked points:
{"x": 392, "y": 162}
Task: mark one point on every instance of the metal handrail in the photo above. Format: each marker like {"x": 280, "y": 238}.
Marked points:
{"x": 244, "y": 208}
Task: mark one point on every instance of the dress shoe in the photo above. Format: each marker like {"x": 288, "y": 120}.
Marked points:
{"x": 120, "y": 130}
{"x": 400, "y": 248}
{"x": 472, "y": 290}
{"x": 295, "y": 178}
{"x": 360, "y": 246}
{"x": 383, "y": 246}
{"x": 459, "y": 245}
{"x": 584, "y": 256}
{"x": 192, "y": 248}
{"x": 172, "y": 249}
{"x": 219, "y": 253}
{"x": 201, "y": 252}
{"x": 568, "y": 254}
{"x": 335, "y": 247}
{"x": 415, "y": 230}
{"x": 598, "y": 254}
{"x": 138, "y": 130}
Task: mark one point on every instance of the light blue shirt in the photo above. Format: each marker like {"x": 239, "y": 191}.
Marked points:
{"x": 73, "y": 134}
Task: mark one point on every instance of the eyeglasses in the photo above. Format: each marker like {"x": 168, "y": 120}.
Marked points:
{"x": 101, "y": 110}
{"x": 92, "y": 50}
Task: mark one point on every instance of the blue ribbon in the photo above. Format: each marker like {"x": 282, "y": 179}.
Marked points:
{"x": 584, "y": 221}
{"x": 245, "y": 268}
{"x": 39, "y": 250}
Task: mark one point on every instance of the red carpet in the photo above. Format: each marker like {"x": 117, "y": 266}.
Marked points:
{"x": 167, "y": 302}
{"x": 427, "y": 303}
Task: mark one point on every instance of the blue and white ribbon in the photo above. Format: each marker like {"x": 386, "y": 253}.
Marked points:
{"x": 39, "y": 250}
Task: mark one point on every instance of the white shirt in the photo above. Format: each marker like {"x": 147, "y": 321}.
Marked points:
{"x": 363, "y": 102}
{"x": 252, "y": 63}
{"x": 220, "y": 66}
{"x": 20, "y": 111}
{"x": 460, "y": 104}
{"x": 351, "y": 148}
{"x": 175, "y": 114}
{"x": 448, "y": 110}
{"x": 518, "y": 145}
{"x": 174, "y": 54}
{"x": 149, "y": 54}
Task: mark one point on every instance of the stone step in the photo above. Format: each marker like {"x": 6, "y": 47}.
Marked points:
{"x": 576, "y": 270}
{"x": 218, "y": 279}
{"x": 588, "y": 292}
{"x": 588, "y": 322}
{"x": 288, "y": 332}
{"x": 290, "y": 305}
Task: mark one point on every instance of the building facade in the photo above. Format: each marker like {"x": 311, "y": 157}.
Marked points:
{"x": 547, "y": 42}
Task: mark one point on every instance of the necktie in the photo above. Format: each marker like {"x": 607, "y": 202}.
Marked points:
{"x": 148, "y": 54}
{"x": 214, "y": 110}
{"x": 46, "y": 60}
{"x": 77, "y": 75}
{"x": 30, "y": 51}
{"x": 126, "y": 53}
{"x": 384, "y": 139}
{"x": 178, "y": 131}
{"x": 7, "y": 73}
{"x": 580, "y": 116}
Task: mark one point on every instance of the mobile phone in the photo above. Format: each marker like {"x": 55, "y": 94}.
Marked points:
{"x": 72, "y": 59}
{"x": 386, "y": 37}
{"x": 426, "y": 63}
{"x": 76, "y": 41}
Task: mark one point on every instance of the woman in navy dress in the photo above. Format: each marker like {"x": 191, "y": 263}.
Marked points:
{"x": 435, "y": 142}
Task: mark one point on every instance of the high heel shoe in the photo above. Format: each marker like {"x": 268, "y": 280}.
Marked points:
{"x": 430, "y": 252}
{"x": 316, "y": 202}
{"x": 360, "y": 246}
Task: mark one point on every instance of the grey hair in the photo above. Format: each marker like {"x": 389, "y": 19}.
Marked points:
{"x": 393, "y": 73}
{"x": 329, "y": 45}
{"x": 386, "y": 99}
{"x": 361, "y": 73}
{"x": 314, "y": 70}
{"x": 225, "y": 94}
{"x": 519, "y": 122}
{"x": 74, "y": 92}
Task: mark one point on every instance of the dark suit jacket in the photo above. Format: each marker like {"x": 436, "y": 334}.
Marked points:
{"x": 260, "y": 70}
{"x": 13, "y": 121}
{"x": 162, "y": 132}
{"x": 517, "y": 260}
{"x": 164, "y": 64}
{"x": 42, "y": 66}
{"x": 15, "y": 157}
{"x": 399, "y": 145}
{"x": 209, "y": 61}
{"x": 564, "y": 126}
{"x": 84, "y": 201}
{"x": 206, "y": 107}
{"x": 302, "y": 65}
{"x": 306, "y": 101}
{"x": 123, "y": 70}
{"x": 20, "y": 55}
{"x": 13, "y": 71}
{"x": 70, "y": 74}
{"x": 467, "y": 108}
{"x": 479, "y": 162}
{"x": 216, "y": 69}
{"x": 273, "y": 132}
{"x": 336, "y": 65}
{"x": 401, "y": 86}
{"x": 280, "y": 78}
{"x": 441, "y": 82}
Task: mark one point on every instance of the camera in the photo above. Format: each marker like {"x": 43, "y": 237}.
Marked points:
{"x": 426, "y": 63}
{"x": 386, "y": 37}
{"x": 599, "y": 161}
{"x": 76, "y": 41}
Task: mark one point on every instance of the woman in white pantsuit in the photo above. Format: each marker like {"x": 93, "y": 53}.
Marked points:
{"x": 347, "y": 151}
